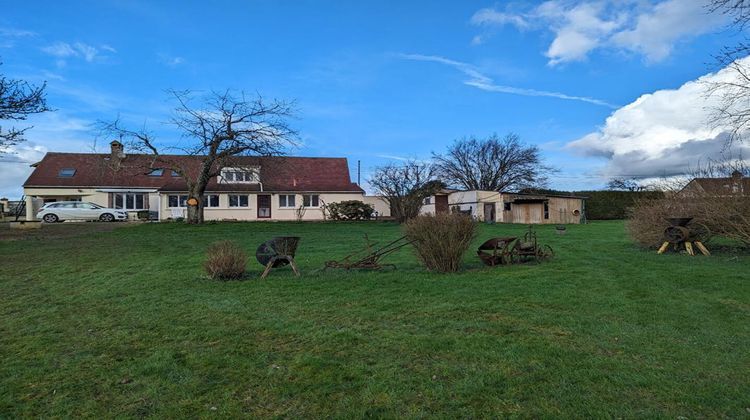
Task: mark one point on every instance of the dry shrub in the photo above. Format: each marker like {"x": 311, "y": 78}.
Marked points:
{"x": 441, "y": 239}
{"x": 728, "y": 216}
{"x": 225, "y": 260}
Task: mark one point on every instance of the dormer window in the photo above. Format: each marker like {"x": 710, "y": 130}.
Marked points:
{"x": 66, "y": 172}
{"x": 156, "y": 172}
{"x": 240, "y": 175}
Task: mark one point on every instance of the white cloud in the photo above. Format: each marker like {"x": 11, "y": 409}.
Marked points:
{"x": 650, "y": 28}
{"x": 656, "y": 31}
{"x": 171, "y": 61}
{"x": 483, "y": 82}
{"x": 662, "y": 133}
{"x": 493, "y": 17}
{"x": 64, "y": 50}
{"x": 51, "y": 131}
{"x": 9, "y": 36}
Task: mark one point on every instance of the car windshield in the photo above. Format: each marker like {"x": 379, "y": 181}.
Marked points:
{"x": 96, "y": 206}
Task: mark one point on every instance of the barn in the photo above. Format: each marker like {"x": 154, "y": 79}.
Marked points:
{"x": 502, "y": 207}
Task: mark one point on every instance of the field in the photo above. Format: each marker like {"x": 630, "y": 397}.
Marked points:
{"x": 123, "y": 323}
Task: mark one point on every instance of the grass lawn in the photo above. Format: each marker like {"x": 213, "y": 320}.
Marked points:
{"x": 123, "y": 323}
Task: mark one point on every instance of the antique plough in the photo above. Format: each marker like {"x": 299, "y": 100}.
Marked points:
{"x": 370, "y": 257}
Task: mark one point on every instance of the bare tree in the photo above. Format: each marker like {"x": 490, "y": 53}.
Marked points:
{"x": 18, "y": 100}
{"x": 625, "y": 184}
{"x": 216, "y": 129}
{"x": 492, "y": 164}
{"x": 405, "y": 186}
{"x": 732, "y": 94}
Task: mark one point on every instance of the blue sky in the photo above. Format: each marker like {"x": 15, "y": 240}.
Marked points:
{"x": 375, "y": 81}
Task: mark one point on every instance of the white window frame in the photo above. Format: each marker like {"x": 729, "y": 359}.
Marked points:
{"x": 249, "y": 175}
{"x": 124, "y": 201}
{"x": 286, "y": 201}
{"x": 239, "y": 205}
{"x": 309, "y": 198}
{"x": 181, "y": 199}
{"x": 207, "y": 201}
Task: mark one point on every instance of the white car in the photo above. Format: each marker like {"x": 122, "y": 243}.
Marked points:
{"x": 78, "y": 210}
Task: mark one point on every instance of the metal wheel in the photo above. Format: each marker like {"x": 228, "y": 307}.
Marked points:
{"x": 106, "y": 217}
{"x": 699, "y": 232}
{"x": 50, "y": 218}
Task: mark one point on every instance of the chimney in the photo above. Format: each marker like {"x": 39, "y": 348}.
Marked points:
{"x": 117, "y": 152}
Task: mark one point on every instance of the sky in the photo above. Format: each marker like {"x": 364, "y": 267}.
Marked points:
{"x": 604, "y": 88}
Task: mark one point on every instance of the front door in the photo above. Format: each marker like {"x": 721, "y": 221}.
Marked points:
{"x": 489, "y": 212}
{"x": 441, "y": 203}
{"x": 264, "y": 206}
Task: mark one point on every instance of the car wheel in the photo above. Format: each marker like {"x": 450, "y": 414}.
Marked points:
{"x": 106, "y": 217}
{"x": 50, "y": 218}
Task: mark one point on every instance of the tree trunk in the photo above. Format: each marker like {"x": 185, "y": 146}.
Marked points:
{"x": 195, "y": 213}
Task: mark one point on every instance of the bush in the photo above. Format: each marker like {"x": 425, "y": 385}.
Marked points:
{"x": 728, "y": 216}
{"x": 225, "y": 260}
{"x": 441, "y": 239}
{"x": 349, "y": 210}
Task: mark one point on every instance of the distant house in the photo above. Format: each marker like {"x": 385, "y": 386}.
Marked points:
{"x": 736, "y": 184}
{"x": 254, "y": 188}
{"x": 502, "y": 207}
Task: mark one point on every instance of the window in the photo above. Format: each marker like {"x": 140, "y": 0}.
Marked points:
{"x": 238, "y": 201}
{"x": 310, "y": 200}
{"x": 129, "y": 201}
{"x": 177, "y": 200}
{"x": 546, "y": 210}
{"x": 66, "y": 172}
{"x": 286, "y": 200}
{"x": 174, "y": 173}
{"x": 156, "y": 172}
{"x": 211, "y": 200}
{"x": 87, "y": 206}
{"x": 506, "y": 206}
{"x": 240, "y": 175}
{"x": 428, "y": 200}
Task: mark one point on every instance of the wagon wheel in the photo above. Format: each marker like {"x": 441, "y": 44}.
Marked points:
{"x": 266, "y": 251}
{"x": 544, "y": 252}
{"x": 699, "y": 232}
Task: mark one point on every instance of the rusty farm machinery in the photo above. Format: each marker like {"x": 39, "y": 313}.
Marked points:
{"x": 369, "y": 258}
{"x": 513, "y": 250}
{"x": 682, "y": 233}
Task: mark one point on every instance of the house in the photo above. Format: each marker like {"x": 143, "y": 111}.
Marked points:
{"x": 503, "y": 207}
{"x": 253, "y": 188}
{"x": 736, "y": 184}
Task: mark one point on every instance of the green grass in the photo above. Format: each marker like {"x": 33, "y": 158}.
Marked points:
{"x": 123, "y": 323}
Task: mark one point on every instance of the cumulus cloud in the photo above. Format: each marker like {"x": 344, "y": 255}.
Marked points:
{"x": 64, "y": 50}
{"x": 662, "y": 133}
{"x": 480, "y": 81}
{"x": 52, "y": 131}
{"x": 647, "y": 28}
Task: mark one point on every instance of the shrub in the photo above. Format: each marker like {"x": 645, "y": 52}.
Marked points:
{"x": 349, "y": 210}
{"x": 441, "y": 239}
{"x": 728, "y": 216}
{"x": 225, "y": 260}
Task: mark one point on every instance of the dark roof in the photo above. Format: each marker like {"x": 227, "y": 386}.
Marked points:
{"x": 719, "y": 186}
{"x": 276, "y": 174}
{"x": 528, "y": 196}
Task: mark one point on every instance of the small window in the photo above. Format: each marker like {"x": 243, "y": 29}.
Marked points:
{"x": 310, "y": 200}
{"x": 211, "y": 200}
{"x": 506, "y": 206}
{"x": 428, "y": 200}
{"x": 174, "y": 173}
{"x": 238, "y": 201}
{"x": 287, "y": 200}
{"x": 156, "y": 172}
{"x": 546, "y": 210}
{"x": 66, "y": 172}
